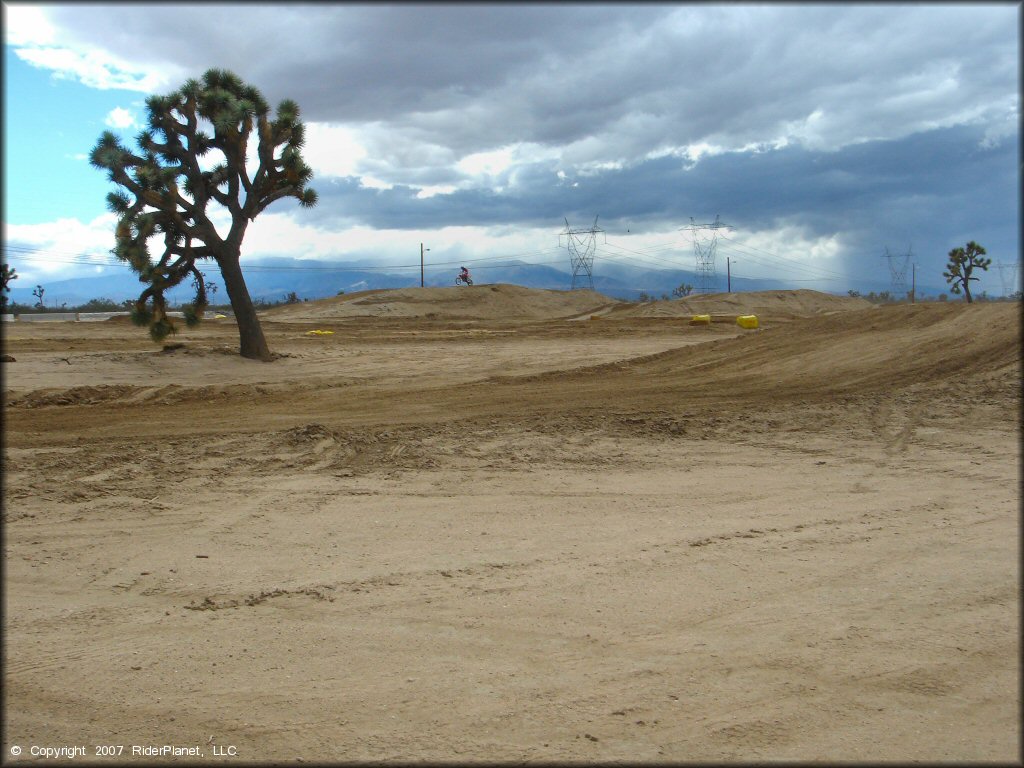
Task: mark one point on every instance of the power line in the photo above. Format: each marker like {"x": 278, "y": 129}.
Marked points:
{"x": 766, "y": 258}
{"x": 784, "y": 261}
{"x": 645, "y": 256}
{"x": 768, "y": 263}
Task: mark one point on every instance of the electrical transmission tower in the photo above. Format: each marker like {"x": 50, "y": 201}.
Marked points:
{"x": 704, "y": 252}
{"x": 581, "y": 244}
{"x": 1008, "y": 277}
{"x": 898, "y": 272}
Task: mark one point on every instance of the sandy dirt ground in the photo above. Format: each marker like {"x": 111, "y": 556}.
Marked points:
{"x": 501, "y": 525}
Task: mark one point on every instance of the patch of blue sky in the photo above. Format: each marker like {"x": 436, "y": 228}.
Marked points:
{"x": 47, "y": 175}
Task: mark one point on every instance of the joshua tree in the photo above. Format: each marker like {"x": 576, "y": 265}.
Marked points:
{"x": 179, "y": 171}
{"x": 8, "y": 274}
{"x": 961, "y": 263}
{"x": 682, "y": 290}
{"x": 38, "y": 292}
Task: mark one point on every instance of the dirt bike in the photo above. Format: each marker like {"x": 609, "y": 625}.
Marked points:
{"x": 460, "y": 280}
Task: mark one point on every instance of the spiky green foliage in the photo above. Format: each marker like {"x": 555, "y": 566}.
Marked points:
{"x": 962, "y": 262}
{"x": 7, "y": 274}
{"x": 166, "y": 192}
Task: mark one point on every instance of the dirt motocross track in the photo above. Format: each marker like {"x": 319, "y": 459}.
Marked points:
{"x": 498, "y": 524}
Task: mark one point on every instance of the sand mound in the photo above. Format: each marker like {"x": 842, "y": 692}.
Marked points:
{"x": 478, "y": 302}
{"x": 772, "y": 304}
{"x": 501, "y": 302}
{"x": 882, "y": 348}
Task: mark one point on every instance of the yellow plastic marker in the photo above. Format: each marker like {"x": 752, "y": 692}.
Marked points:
{"x": 747, "y": 321}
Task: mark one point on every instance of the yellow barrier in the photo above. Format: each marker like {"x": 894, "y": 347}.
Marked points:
{"x": 319, "y": 333}
{"x": 747, "y": 321}
{"x": 700, "y": 320}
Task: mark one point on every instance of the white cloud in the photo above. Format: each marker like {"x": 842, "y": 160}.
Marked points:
{"x": 60, "y": 245}
{"x": 279, "y": 234}
{"x": 283, "y": 235}
{"x": 93, "y": 68}
{"x": 120, "y": 118}
{"x": 372, "y": 182}
{"x": 788, "y": 252}
{"x": 332, "y": 149}
{"x": 437, "y": 189}
{"x": 692, "y": 153}
{"x": 27, "y": 25}
{"x": 498, "y": 168}
{"x": 490, "y": 163}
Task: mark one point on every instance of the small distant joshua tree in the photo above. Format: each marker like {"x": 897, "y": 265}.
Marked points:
{"x": 962, "y": 262}
{"x": 682, "y": 291}
{"x": 38, "y": 292}
{"x": 179, "y": 170}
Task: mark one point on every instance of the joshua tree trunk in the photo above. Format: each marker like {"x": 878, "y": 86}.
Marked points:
{"x": 252, "y": 343}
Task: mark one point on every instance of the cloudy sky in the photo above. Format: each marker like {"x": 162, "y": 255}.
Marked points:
{"x": 821, "y": 135}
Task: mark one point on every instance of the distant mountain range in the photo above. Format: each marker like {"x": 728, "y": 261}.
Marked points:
{"x": 272, "y": 280}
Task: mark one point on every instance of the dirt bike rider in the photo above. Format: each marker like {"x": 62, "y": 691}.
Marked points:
{"x": 464, "y": 274}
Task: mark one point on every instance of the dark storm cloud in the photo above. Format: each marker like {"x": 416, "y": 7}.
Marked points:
{"x": 757, "y": 187}
{"x": 352, "y": 62}
{"x": 935, "y": 189}
{"x": 475, "y": 77}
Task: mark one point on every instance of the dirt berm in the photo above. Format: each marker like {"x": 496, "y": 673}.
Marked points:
{"x": 495, "y": 302}
{"x": 502, "y": 302}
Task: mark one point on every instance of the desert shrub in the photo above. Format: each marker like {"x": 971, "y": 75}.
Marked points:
{"x": 100, "y": 305}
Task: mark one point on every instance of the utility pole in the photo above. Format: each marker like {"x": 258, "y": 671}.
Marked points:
{"x": 913, "y": 283}
{"x": 728, "y": 276}
{"x": 421, "y": 264}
